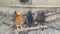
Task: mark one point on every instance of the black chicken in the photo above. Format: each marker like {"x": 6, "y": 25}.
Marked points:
{"x": 41, "y": 18}
{"x": 24, "y": 1}
{"x": 29, "y": 18}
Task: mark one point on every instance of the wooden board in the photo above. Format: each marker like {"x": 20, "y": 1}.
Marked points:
{"x": 36, "y": 6}
{"x": 57, "y": 16}
{"x": 37, "y": 27}
{"x": 32, "y": 28}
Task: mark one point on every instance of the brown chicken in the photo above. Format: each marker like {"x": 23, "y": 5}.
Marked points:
{"x": 19, "y": 19}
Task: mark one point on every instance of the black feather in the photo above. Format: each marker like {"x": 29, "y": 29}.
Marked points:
{"x": 29, "y": 18}
{"x": 24, "y": 1}
{"x": 41, "y": 18}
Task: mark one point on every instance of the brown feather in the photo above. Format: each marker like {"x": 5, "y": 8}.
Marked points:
{"x": 19, "y": 19}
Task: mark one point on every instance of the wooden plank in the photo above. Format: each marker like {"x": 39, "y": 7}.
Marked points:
{"x": 53, "y": 18}
{"x": 38, "y": 27}
{"x": 36, "y": 6}
{"x": 32, "y": 28}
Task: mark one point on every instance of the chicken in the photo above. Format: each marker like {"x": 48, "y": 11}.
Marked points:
{"x": 24, "y": 1}
{"x": 29, "y": 18}
{"x": 19, "y": 19}
{"x": 41, "y": 18}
